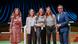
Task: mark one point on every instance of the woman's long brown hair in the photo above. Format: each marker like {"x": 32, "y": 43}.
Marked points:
{"x": 29, "y": 13}
{"x": 39, "y": 13}
{"x": 49, "y": 13}
{"x": 19, "y": 12}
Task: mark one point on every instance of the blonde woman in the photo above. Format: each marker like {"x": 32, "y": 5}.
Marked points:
{"x": 15, "y": 26}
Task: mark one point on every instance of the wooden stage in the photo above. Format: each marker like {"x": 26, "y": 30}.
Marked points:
{"x": 73, "y": 37}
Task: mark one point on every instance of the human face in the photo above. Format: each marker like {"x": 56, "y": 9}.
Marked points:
{"x": 48, "y": 10}
{"x": 60, "y": 9}
{"x": 16, "y": 12}
{"x": 40, "y": 11}
{"x": 31, "y": 12}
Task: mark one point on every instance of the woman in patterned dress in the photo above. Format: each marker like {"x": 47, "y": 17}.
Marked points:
{"x": 15, "y": 27}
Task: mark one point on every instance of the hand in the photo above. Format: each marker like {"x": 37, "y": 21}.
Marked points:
{"x": 57, "y": 26}
{"x": 39, "y": 24}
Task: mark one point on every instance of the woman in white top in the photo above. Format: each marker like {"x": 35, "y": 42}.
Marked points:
{"x": 30, "y": 22}
{"x": 50, "y": 25}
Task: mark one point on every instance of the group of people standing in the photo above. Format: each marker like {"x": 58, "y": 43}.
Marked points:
{"x": 40, "y": 26}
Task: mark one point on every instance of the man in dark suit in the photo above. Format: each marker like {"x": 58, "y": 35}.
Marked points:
{"x": 62, "y": 24}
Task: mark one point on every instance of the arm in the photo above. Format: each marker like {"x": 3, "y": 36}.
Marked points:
{"x": 55, "y": 23}
{"x": 21, "y": 23}
{"x": 28, "y": 25}
{"x": 11, "y": 23}
{"x": 66, "y": 20}
{"x": 54, "y": 19}
{"x": 27, "y": 21}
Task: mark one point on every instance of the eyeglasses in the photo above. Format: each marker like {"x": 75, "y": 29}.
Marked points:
{"x": 60, "y": 8}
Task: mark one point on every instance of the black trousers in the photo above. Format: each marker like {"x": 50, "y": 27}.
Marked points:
{"x": 32, "y": 36}
{"x": 38, "y": 34}
{"x": 29, "y": 38}
{"x": 43, "y": 36}
{"x": 50, "y": 30}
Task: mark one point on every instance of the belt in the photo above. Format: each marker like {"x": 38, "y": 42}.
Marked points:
{"x": 51, "y": 26}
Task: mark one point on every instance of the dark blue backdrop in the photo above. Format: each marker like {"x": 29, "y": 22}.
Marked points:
{"x": 7, "y": 6}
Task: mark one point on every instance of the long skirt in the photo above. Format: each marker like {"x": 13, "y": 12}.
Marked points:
{"x": 15, "y": 35}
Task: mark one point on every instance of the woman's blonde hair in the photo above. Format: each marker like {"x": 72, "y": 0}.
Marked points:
{"x": 19, "y": 12}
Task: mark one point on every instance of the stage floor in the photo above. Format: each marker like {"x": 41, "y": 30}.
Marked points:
{"x": 7, "y": 42}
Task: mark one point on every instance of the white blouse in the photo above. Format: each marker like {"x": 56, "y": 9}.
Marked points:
{"x": 30, "y": 21}
{"x": 50, "y": 21}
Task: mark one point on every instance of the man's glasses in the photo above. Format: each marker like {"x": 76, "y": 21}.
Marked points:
{"x": 60, "y": 8}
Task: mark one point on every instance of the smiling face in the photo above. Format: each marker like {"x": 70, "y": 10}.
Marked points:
{"x": 40, "y": 12}
{"x": 16, "y": 12}
{"x": 60, "y": 8}
{"x": 31, "y": 12}
{"x": 48, "y": 11}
